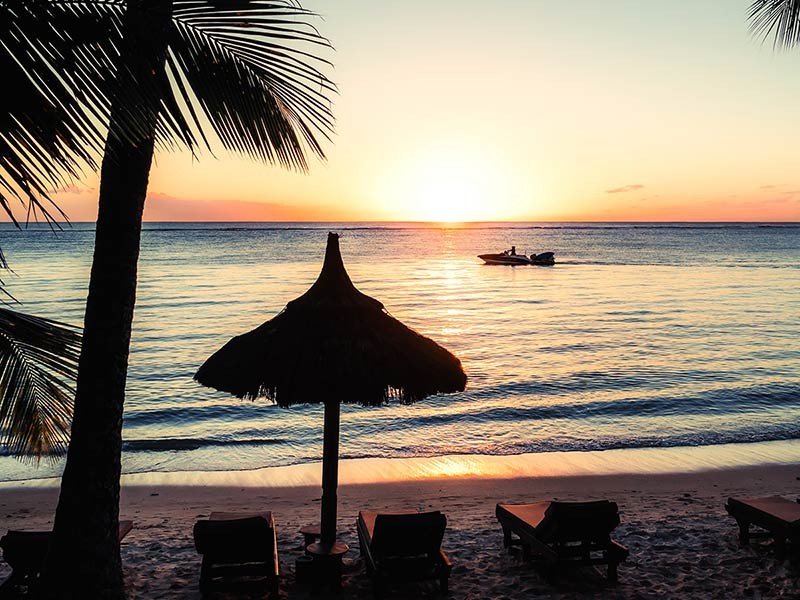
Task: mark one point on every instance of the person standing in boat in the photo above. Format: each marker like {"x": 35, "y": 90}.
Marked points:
{"x": 513, "y": 250}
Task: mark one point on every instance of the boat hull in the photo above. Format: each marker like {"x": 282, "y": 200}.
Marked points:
{"x": 504, "y": 259}
{"x": 543, "y": 259}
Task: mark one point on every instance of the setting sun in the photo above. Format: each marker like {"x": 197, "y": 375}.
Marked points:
{"x": 455, "y": 183}
{"x": 449, "y": 195}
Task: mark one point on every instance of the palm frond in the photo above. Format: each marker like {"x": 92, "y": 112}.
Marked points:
{"x": 776, "y": 18}
{"x": 54, "y": 57}
{"x": 38, "y": 365}
{"x": 251, "y": 67}
{"x": 246, "y": 71}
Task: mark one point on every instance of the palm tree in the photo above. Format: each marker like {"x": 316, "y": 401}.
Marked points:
{"x": 122, "y": 77}
{"x": 778, "y": 18}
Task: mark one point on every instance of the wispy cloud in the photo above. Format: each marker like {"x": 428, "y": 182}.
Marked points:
{"x": 768, "y": 187}
{"x": 164, "y": 207}
{"x": 625, "y": 188}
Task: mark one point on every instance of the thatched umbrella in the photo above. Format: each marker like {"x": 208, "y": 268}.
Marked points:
{"x": 331, "y": 345}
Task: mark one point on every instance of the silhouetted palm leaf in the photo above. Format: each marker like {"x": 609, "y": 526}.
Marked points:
{"x": 779, "y": 18}
{"x": 243, "y": 70}
{"x": 45, "y": 137}
{"x": 38, "y": 365}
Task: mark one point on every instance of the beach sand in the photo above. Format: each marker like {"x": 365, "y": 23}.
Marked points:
{"x": 682, "y": 543}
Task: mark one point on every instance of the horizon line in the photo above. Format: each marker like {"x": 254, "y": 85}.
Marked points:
{"x": 414, "y": 222}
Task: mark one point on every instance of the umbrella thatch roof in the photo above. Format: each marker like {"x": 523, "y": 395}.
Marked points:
{"x": 333, "y": 343}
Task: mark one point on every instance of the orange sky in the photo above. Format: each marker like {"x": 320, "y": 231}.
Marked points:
{"x": 532, "y": 110}
{"x": 630, "y": 203}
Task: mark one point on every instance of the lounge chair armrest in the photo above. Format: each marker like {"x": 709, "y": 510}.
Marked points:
{"x": 363, "y": 542}
{"x": 445, "y": 560}
{"x": 124, "y": 529}
{"x": 276, "y": 564}
{"x": 618, "y": 549}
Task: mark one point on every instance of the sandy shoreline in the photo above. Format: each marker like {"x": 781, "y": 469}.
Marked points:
{"x": 619, "y": 461}
{"x": 682, "y": 542}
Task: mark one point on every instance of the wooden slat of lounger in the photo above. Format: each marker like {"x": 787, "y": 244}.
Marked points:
{"x": 773, "y": 506}
{"x": 528, "y": 522}
{"x": 404, "y": 562}
{"x": 25, "y": 551}
{"x": 267, "y": 516}
{"x": 523, "y": 516}
{"x": 368, "y": 517}
{"x": 124, "y": 529}
{"x": 227, "y": 516}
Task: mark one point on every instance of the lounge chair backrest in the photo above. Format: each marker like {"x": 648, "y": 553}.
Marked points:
{"x": 26, "y": 548}
{"x": 234, "y": 540}
{"x": 577, "y": 521}
{"x": 408, "y": 534}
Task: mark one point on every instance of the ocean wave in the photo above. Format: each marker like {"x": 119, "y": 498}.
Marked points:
{"x": 719, "y": 402}
{"x": 600, "y": 381}
{"x": 743, "y": 435}
{"x": 239, "y": 410}
{"x": 185, "y": 444}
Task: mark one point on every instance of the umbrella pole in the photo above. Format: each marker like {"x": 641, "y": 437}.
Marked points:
{"x": 327, "y": 553}
{"x": 330, "y": 473}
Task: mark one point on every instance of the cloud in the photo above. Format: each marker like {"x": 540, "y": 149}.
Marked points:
{"x": 161, "y": 196}
{"x": 625, "y": 188}
{"x": 768, "y": 187}
{"x": 163, "y": 207}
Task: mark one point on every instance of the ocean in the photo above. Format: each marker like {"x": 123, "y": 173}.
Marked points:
{"x": 641, "y": 336}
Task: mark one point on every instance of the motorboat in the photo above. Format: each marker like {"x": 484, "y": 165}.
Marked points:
{"x": 510, "y": 257}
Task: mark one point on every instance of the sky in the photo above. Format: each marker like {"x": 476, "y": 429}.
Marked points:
{"x": 533, "y": 110}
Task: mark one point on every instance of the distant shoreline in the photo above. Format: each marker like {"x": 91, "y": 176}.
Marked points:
{"x": 437, "y": 224}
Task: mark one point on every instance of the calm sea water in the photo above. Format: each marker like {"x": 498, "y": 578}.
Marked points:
{"x": 640, "y": 336}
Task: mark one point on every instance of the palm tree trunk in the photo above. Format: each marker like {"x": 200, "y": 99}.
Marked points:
{"x": 84, "y": 556}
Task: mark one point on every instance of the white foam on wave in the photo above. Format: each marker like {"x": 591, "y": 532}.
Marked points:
{"x": 546, "y": 464}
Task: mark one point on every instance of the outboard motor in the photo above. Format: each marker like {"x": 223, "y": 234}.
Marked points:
{"x": 545, "y": 258}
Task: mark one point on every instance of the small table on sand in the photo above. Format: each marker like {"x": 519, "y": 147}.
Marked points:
{"x": 327, "y": 565}
{"x": 310, "y": 533}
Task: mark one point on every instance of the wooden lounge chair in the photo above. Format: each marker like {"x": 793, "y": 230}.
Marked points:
{"x": 239, "y": 550}
{"x": 25, "y": 551}
{"x": 403, "y": 546}
{"x": 564, "y": 534}
{"x": 778, "y": 517}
